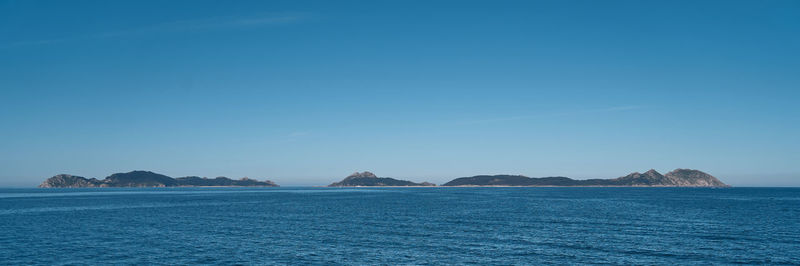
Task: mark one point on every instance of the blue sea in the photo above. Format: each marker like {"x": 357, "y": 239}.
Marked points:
{"x": 400, "y": 226}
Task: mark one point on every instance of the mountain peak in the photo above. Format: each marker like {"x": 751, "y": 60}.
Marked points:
{"x": 682, "y": 176}
{"x": 652, "y": 172}
{"x": 368, "y": 179}
{"x": 366, "y": 174}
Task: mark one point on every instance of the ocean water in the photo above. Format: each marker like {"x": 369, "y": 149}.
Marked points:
{"x": 400, "y": 226}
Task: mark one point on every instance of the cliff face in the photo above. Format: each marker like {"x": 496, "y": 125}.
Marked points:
{"x": 367, "y": 179}
{"x": 651, "y": 178}
{"x": 148, "y": 179}
{"x": 688, "y": 177}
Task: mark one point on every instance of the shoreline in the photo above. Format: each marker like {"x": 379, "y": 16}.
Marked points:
{"x": 464, "y": 186}
{"x": 506, "y": 186}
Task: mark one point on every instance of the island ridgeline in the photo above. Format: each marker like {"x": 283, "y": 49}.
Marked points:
{"x": 149, "y": 179}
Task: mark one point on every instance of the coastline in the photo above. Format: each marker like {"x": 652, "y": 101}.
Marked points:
{"x": 652, "y": 178}
{"x": 504, "y": 186}
{"x": 464, "y": 186}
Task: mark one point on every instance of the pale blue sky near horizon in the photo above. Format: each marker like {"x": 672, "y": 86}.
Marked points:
{"x": 307, "y": 92}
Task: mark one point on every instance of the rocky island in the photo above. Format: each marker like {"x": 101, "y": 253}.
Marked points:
{"x": 149, "y": 179}
{"x": 651, "y": 178}
{"x": 367, "y": 179}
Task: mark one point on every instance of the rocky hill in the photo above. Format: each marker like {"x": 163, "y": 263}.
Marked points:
{"x": 149, "y": 179}
{"x": 651, "y": 178}
{"x": 689, "y": 177}
{"x": 367, "y": 179}
{"x": 139, "y": 179}
{"x": 70, "y": 181}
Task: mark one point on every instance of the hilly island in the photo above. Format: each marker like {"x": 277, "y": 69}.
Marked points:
{"x": 149, "y": 179}
{"x": 651, "y": 178}
{"x": 368, "y": 179}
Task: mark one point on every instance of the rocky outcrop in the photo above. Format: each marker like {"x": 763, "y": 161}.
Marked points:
{"x": 651, "y": 178}
{"x": 69, "y": 181}
{"x": 368, "y": 179}
{"x": 689, "y": 177}
{"x": 149, "y": 179}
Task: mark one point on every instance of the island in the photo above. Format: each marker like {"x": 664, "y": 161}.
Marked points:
{"x": 368, "y": 179}
{"x": 149, "y": 179}
{"x": 651, "y": 178}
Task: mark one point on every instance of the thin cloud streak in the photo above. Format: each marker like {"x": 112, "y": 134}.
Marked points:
{"x": 555, "y": 114}
{"x": 193, "y": 25}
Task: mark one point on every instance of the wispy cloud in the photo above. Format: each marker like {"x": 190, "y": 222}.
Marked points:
{"x": 552, "y": 114}
{"x": 193, "y": 25}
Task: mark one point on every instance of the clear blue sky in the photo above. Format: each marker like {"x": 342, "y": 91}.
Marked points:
{"x": 307, "y": 92}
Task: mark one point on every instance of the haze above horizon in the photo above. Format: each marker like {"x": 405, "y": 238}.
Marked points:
{"x": 307, "y": 92}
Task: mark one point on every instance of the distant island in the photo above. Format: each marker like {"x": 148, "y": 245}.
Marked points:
{"x": 368, "y": 179}
{"x": 149, "y": 179}
{"x": 652, "y": 178}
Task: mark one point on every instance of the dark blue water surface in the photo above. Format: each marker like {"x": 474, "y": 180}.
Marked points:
{"x": 400, "y": 226}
